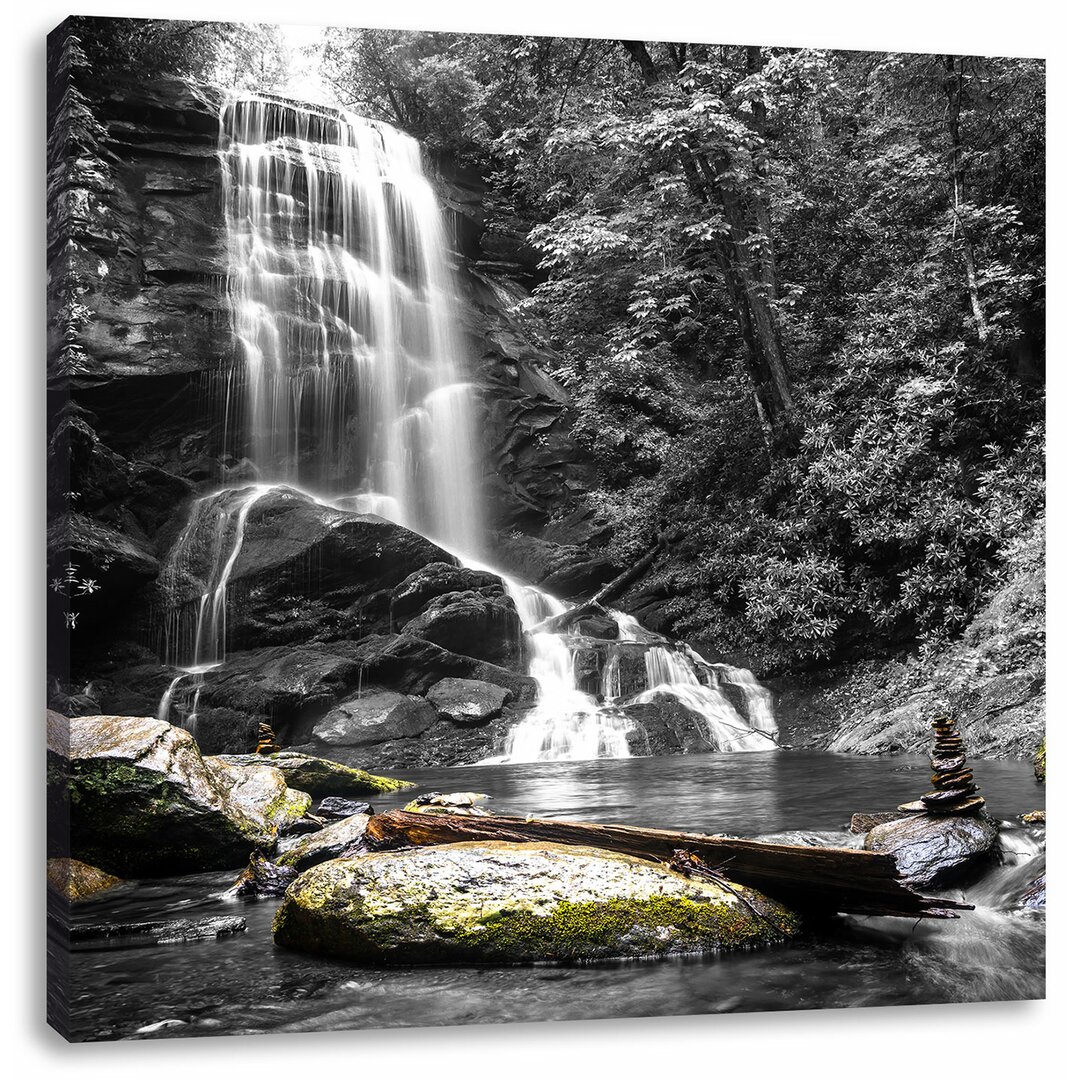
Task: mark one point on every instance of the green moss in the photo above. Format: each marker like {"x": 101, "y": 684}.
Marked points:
{"x": 322, "y": 920}
{"x": 100, "y": 780}
{"x": 319, "y": 776}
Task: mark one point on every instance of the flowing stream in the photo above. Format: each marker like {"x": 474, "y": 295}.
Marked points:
{"x": 351, "y": 390}
{"x": 244, "y": 985}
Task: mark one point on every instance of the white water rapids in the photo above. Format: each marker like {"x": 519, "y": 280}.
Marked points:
{"x": 351, "y": 389}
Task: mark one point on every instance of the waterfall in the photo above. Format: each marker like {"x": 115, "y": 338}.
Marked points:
{"x": 342, "y": 305}
{"x": 348, "y": 387}
{"x": 566, "y": 724}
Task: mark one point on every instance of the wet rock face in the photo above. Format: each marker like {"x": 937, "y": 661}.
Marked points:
{"x": 74, "y": 880}
{"x": 144, "y": 360}
{"x": 413, "y": 666}
{"x": 339, "y": 840}
{"x": 482, "y": 624}
{"x": 498, "y": 903}
{"x": 468, "y": 702}
{"x": 934, "y": 849}
{"x": 571, "y": 571}
{"x": 304, "y": 572}
{"x": 665, "y": 726}
{"x": 375, "y": 716}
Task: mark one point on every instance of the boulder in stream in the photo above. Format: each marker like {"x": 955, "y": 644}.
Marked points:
{"x": 136, "y": 935}
{"x": 504, "y": 903}
{"x": 144, "y": 802}
{"x": 319, "y": 776}
{"x": 334, "y": 808}
{"x": 934, "y": 849}
{"x": 336, "y": 841}
{"x": 74, "y": 880}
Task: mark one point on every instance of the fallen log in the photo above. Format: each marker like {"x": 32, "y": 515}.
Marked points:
{"x": 627, "y": 577}
{"x": 812, "y": 879}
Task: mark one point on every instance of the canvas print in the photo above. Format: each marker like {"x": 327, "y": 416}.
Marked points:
{"x": 539, "y": 528}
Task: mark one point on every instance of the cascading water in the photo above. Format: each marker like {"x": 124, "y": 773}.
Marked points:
{"x": 342, "y": 304}
{"x": 348, "y": 388}
{"x": 349, "y": 385}
{"x": 568, "y": 724}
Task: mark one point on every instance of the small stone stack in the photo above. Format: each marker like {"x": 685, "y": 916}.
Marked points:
{"x": 267, "y": 741}
{"x": 954, "y": 784}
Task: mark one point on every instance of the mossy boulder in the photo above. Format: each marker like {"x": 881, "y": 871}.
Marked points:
{"x": 1040, "y": 762}
{"x": 260, "y": 790}
{"x": 318, "y": 776}
{"x": 501, "y": 903}
{"x": 75, "y": 880}
{"x": 144, "y": 802}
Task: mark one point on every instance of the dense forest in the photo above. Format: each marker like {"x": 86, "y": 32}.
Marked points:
{"x": 797, "y": 297}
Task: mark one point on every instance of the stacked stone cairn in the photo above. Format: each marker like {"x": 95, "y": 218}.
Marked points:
{"x": 954, "y": 784}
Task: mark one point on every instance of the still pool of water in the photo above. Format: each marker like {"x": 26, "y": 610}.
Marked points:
{"x": 244, "y": 985}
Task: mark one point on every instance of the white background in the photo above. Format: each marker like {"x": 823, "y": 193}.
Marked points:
{"x": 988, "y": 1040}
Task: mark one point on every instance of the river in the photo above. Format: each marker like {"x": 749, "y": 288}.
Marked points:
{"x": 244, "y": 985}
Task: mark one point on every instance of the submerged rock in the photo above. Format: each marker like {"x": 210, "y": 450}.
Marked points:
{"x": 319, "y": 776}
{"x": 143, "y": 801}
{"x": 135, "y": 935}
{"x": 933, "y": 849}
{"x": 336, "y": 841}
{"x": 500, "y": 903}
{"x": 375, "y": 716}
{"x": 468, "y": 701}
{"x": 75, "y": 880}
{"x": 1033, "y": 898}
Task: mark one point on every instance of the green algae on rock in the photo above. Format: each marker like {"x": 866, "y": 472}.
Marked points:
{"x": 504, "y": 903}
{"x": 319, "y": 776}
{"x": 144, "y": 802}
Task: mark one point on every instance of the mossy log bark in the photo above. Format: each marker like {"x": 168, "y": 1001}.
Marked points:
{"x": 817, "y": 879}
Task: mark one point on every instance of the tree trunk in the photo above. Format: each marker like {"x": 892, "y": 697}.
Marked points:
{"x": 954, "y": 88}
{"x": 749, "y": 277}
{"x": 819, "y": 879}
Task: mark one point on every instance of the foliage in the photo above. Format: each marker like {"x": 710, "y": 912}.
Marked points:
{"x": 712, "y": 219}
{"x": 250, "y": 56}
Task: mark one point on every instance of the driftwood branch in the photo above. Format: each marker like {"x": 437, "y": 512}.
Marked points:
{"x": 820, "y": 879}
